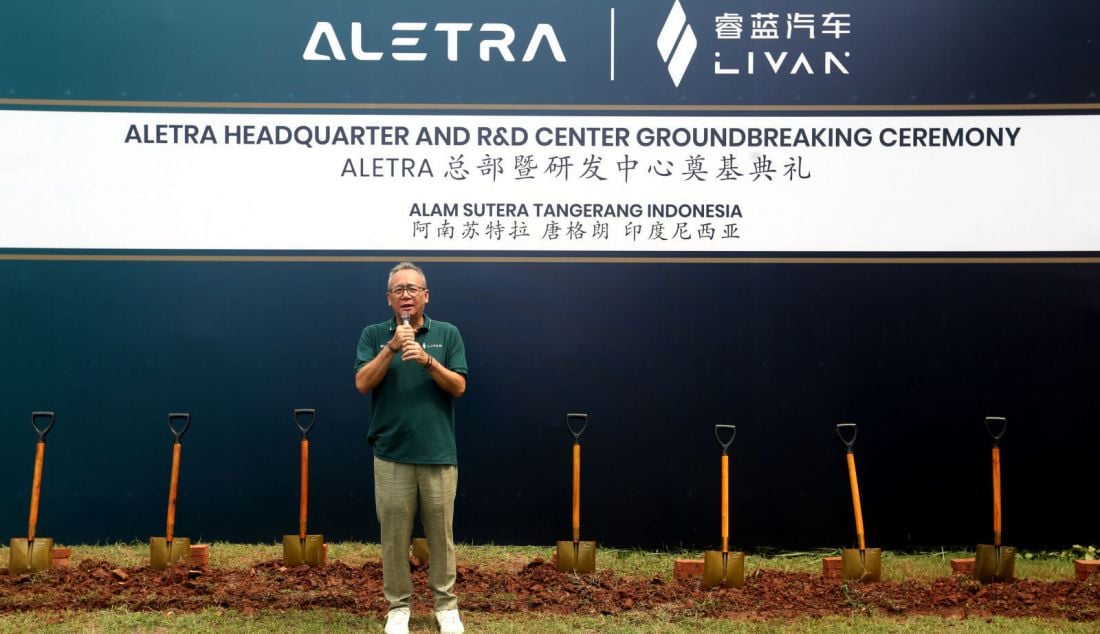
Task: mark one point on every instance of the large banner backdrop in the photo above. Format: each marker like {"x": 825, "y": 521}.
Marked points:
{"x": 698, "y": 126}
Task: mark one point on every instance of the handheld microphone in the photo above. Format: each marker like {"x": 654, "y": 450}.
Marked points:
{"x": 404, "y": 320}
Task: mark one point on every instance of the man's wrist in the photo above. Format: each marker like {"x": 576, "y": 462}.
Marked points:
{"x": 429, "y": 364}
{"x": 392, "y": 349}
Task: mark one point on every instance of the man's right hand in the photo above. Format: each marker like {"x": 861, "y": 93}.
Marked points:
{"x": 402, "y": 335}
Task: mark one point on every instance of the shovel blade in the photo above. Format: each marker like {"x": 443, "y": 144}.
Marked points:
{"x": 162, "y": 554}
{"x": 576, "y": 557}
{"x": 864, "y": 567}
{"x": 310, "y": 552}
{"x": 728, "y": 572}
{"x": 990, "y": 566}
{"x": 315, "y": 550}
{"x": 27, "y": 556}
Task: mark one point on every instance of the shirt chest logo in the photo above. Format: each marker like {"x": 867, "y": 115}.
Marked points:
{"x": 426, "y": 346}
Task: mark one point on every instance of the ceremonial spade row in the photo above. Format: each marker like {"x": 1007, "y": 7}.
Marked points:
{"x": 993, "y": 562}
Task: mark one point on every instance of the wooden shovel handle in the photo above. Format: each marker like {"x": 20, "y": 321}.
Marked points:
{"x": 996, "y": 496}
{"x": 576, "y": 492}
{"x": 172, "y": 492}
{"x": 36, "y": 488}
{"x": 725, "y": 503}
{"x": 855, "y": 499}
{"x": 304, "y": 499}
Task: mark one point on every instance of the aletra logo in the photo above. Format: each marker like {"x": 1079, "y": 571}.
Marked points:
{"x": 495, "y": 39}
{"x": 677, "y": 43}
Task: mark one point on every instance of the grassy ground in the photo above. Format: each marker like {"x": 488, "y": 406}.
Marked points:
{"x": 896, "y": 567}
{"x": 336, "y": 622}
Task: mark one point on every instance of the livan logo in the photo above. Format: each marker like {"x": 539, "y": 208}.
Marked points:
{"x": 676, "y": 43}
{"x": 788, "y": 43}
{"x": 405, "y": 42}
{"x": 762, "y": 42}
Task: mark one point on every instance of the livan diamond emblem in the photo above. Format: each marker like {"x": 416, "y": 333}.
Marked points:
{"x": 677, "y": 43}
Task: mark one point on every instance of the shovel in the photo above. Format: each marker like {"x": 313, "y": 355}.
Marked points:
{"x": 302, "y": 548}
{"x": 995, "y": 562}
{"x": 30, "y": 554}
{"x": 723, "y": 568}
{"x": 864, "y": 564}
{"x": 575, "y": 555}
{"x": 164, "y": 551}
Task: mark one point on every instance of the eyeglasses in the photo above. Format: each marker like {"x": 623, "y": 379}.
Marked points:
{"x": 413, "y": 291}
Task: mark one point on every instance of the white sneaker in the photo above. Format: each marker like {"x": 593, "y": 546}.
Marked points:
{"x": 449, "y": 623}
{"x": 397, "y": 621}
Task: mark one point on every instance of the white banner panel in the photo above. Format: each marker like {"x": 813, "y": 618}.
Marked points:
{"x": 74, "y": 180}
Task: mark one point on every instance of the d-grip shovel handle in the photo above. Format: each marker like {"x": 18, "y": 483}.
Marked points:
{"x": 312, "y": 413}
{"x": 990, "y": 422}
{"x": 843, "y": 428}
{"x": 178, "y": 433}
{"x": 39, "y": 458}
{"x": 718, "y": 429}
{"x": 40, "y": 430}
{"x": 303, "y": 498}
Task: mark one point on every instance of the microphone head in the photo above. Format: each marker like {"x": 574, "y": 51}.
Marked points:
{"x": 404, "y": 319}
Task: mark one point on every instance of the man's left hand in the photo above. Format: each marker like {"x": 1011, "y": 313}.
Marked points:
{"x": 413, "y": 351}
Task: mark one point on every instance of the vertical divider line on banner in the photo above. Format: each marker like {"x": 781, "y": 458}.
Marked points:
{"x": 612, "y": 44}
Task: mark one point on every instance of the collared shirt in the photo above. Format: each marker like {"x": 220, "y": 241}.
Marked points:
{"x": 412, "y": 418}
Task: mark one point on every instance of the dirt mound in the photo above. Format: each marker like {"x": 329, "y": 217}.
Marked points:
{"x": 537, "y": 587}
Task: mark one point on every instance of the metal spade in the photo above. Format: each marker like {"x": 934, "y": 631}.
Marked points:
{"x": 30, "y": 554}
{"x": 864, "y": 564}
{"x": 167, "y": 550}
{"x": 994, "y": 562}
{"x": 723, "y": 568}
{"x": 576, "y": 555}
{"x": 302, "y": 548}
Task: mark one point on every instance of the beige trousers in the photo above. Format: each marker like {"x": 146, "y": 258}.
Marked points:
{"x": 398, "y": 489}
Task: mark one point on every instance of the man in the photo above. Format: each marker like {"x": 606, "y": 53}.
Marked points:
{"x": 414, "y": 368}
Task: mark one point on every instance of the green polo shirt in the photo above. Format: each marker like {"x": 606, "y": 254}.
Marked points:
{"x": 412, "y": 420}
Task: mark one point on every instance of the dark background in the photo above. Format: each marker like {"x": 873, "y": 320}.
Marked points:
{"x": 656, "y": 354}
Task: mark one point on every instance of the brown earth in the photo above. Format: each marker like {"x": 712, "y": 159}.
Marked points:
{"x": 536, "y": 588}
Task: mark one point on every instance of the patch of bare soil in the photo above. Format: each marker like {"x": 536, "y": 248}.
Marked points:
{"x": 536, "y": 588}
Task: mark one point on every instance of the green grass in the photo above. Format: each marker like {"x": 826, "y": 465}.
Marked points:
{"x": 333, "y": 621}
